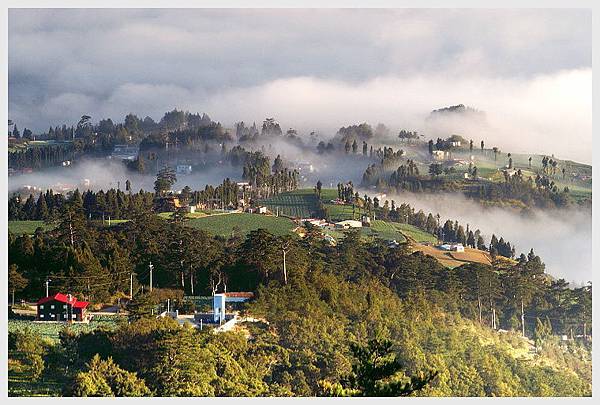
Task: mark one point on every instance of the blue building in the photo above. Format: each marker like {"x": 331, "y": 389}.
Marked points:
{"x": 221, "y": 300}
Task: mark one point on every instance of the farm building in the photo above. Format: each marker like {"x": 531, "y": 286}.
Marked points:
{"x": 350, "y": 223}
{"x": 61, "y": 307}
{"x": 454, "y": 247}
{"x": 315, "y": 222}
{"x": 257, "y": 210}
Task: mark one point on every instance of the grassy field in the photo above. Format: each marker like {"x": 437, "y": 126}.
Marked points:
{"x": 50, "y": 331}
{"x": 224, "y": 225}
{"x": 415, "y": 233}
{"x": 300, "y": 203}
{"x": 387, "y": 231}
{"x": 27, "y": 227}
{"x": 199, "y": 214}
{"x": 341, "y": 212}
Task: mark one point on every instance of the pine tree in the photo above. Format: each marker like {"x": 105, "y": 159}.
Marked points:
{"x": 373, "y": 374}
{"x": 41, "y": 211}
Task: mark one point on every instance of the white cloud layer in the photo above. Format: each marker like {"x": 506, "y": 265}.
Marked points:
{"x": 530, "y": 70}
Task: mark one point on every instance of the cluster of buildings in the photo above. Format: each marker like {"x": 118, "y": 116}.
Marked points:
{"x": 223, "y": 316}
{"x": 452, "y": 247}
{"x": 67, "y": 308}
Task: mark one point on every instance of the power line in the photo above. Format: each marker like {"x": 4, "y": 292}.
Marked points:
{"x": 89, "y": 277}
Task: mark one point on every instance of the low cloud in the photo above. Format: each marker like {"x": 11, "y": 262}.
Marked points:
{"x": 562, "y": 238}
{"x": 313, "y": 69}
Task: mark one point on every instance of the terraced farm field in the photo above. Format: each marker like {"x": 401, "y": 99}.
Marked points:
{"x": 341, "y": 212}
{"x": 225, "y": 224}
{"x": 415, "y": 233}
{"x": 297, "y": 204}
{"x": 387, "y": 231}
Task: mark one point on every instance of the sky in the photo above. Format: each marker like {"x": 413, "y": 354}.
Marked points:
{"x": 318, "y": 69}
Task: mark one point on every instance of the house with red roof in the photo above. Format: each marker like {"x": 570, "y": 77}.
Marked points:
{"x": 61, "y": 307}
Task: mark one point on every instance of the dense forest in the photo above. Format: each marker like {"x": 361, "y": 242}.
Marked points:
{"x": 357, "y": 318}
{"x": 333, "y": 304}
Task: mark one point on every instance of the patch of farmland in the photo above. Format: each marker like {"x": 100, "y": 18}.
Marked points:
{"x": 341, "y": 212}
{"x": 412, "y": 232}
{"x": 51, "y": 330}
{"x": 296, "y": 204}
{"x": 242, "y": 223}
{"x": 27, "y": 227}
{"x": 387, "y": 231}
{"x": 197, "y": 214}
{"x": 328, "y": 194}
{"x": 454, "y": 259}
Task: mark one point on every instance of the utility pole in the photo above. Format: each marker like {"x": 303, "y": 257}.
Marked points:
{"x": 47, "y": 282}
{"x": 522, "y": 318}
{"x": 285, "y": 248}
{"x": 168, "y": 305}
{"x": 284, "y": 268}
{"x": 151, "y": 267}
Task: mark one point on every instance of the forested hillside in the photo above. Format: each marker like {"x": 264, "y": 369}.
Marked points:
{"x": 462, "y": 327}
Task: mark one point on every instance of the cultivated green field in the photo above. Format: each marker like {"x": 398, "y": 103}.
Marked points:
{"x": 27, "y": 227}
{"x": 415, "y": 233}
{"x": 386, "y": 230}
{"x": 300, "y": 203}
{"x": 341, "y": 212}
{"x": 51, "y": 330}
{"x": 224, "y": 225}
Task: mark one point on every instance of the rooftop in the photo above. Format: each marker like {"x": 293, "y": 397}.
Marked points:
{"x": 65, "y": 298}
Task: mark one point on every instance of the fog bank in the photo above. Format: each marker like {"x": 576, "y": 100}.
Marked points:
{"x": 562, "y": 238}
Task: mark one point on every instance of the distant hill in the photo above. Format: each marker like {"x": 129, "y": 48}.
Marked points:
{"x": 457, "y": 109}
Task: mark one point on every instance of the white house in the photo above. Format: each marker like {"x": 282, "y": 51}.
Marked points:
{"x": 455, "y": 247}
{"x": 350, "y": 223}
